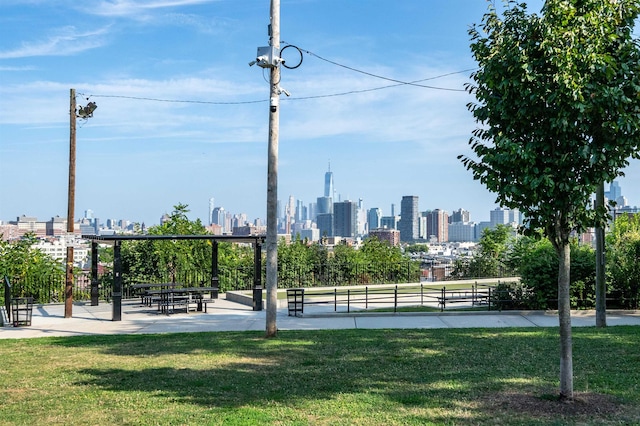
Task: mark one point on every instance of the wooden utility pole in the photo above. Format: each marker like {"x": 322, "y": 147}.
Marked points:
{"x": 68, "y": 289}
{"x": 601, "y": 285}
{"x": 272, "y": 178}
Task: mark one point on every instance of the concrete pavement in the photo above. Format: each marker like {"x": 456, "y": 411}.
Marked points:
{"x": 225, "y": 315}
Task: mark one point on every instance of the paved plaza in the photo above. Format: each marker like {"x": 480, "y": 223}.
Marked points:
{"x": 225, "y": 315}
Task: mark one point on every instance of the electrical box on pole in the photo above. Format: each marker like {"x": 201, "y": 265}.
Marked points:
{"x": 267, "y": 57}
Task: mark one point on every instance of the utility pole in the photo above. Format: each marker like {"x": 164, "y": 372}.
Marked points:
{"x": 68, "y": 289}
{"x": 272, "y": 177}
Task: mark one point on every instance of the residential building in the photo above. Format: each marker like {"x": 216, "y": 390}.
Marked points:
{"x": 408, "y": 225}
{"x": 437, "y": 225}
{"x": 392, "y": 236}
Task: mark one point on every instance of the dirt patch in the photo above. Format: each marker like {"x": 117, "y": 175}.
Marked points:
{"x": 546, "y": 404}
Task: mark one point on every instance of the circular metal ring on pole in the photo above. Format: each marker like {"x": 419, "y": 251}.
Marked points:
{"x": 284, "y": 64}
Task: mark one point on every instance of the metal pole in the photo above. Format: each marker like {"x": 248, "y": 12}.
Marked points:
{"x": 117, "y": 283}
{"x": 272, "y": 180}
{"x": 68, "y": 289}
{"x": 94, "y": 274}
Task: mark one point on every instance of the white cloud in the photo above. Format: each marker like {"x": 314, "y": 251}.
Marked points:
{"x": 65, "y": 41}
{"x": 133, "y": 9}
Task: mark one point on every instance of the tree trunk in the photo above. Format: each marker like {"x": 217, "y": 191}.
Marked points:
{"x": 564, "y": 316}
{"x": 601, "y": 285}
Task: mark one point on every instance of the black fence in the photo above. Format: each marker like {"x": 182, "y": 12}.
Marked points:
{"x": 505, "y": 296}
{"x": 497, "y": 297}
{"x": 385, "y": 297}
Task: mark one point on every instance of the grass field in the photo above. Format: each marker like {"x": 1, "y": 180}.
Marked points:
{"x": 345, "y": 377}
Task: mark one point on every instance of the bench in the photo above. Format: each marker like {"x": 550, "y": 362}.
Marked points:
{"x": 473, "y": 297}
{"x": 169, "y": 301}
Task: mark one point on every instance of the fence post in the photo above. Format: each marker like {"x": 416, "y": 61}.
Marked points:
{"x": 443, "y": 298}
{"x": 348, "y": 300}
{"x": 489, "y": 297}
{"x": 7, "y": 297}
{"x": 366, "y": 297}
{"x": 335, "y": 299}
{"x": 421, "y": 294}
{"x": 395, "y": 299}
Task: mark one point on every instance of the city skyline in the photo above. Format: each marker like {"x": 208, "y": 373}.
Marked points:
{"x": 181, "y": 117}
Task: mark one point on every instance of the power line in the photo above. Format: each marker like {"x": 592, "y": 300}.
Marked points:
{"x": 400, "y": 82}
{"x": 139, "y": 98}
{"x": 350, "y": 92}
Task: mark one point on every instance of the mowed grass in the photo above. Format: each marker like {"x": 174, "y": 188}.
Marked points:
{"x": 342, "y": 377}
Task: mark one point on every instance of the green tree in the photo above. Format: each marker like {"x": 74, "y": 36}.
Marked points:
{"x": 623, "y": 259}
{"x": 538, "y": 268}
{"x": 492, "y": 255}
{"x": 29, "y": 270}
{"x": 557, "y": 98}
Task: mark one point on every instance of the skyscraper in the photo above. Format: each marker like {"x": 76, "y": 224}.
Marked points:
{"x": 460, "y": 215}
{"x": 328, "y": 183}
{"x": 374, "y": 216}
{"x": 211, "y": 206}
{"x": 614, "y": 192}
{"x": 408, "y": 225}
{"x": 344, "y": 219}
{"x": 438, "y": 225}
{"x": 218, "y": 218}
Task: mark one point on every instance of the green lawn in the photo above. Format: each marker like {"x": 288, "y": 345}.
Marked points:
{"x": 345, "y": 377}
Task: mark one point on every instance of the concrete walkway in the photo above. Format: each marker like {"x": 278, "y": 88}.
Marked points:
{"x": 224, "y": 315}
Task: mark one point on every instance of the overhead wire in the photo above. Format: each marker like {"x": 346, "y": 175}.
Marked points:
{"x": 349, "y": 92}
{"x": 400, "y": 82}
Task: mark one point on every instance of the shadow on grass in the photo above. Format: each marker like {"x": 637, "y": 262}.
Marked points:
{"x": 458, "y": 371}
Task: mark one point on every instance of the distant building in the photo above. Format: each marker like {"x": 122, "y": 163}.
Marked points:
{"x": 437, "y": 225}
{"x": 324, "y": 205}
{"x": 392, "y": 236}
{"x": 218, "y": 217}
{"x": 211, "y": 207}
{"x": 344, "y": 219}
{"x": 408, "y": 225}
{"x": 374, "y": 216}
{"x": 249, "y": 230}
{"x": 55, "y": 227}
{"x": 614, "y": 192}
{"x": 389, "y": 222}
{"x": 57, "y": 249}
{"x": 328, "y": 183}
{"x": 325, "y": 224}
{"x": 460, "y": 232}
{"x": 460, "y": 215}
{"x": 310, "y": 234}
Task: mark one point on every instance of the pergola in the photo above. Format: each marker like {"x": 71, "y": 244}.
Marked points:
{"x": 116, "y": 240}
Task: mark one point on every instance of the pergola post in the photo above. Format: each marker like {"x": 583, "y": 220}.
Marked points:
{"x": 257, "y": 276}
{"x": 94, "y": 273}
{"x": 215, "y": 281}
{"x": 117, "y": 282}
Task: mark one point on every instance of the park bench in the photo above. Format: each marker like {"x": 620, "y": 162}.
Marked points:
{"x": 185, "y": 298}
{"x": 462, "y": 296}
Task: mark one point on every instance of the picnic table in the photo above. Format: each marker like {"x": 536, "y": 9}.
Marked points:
{"x": 170, "y": 296}
{"x": 144, "y": 290}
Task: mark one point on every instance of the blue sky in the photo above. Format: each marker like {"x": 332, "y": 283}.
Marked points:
{"x": 137, "y": 158}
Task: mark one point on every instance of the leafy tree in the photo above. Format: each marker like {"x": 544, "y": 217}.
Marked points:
{"x": 295, "y": 261}
{"x": 30, "y": 271}
{"x": 181, "y": 256}
{"x": 557, "y": 98}
{"x": 538, "y": 268}
{"x": 623, "y": 259}
{"x": 491, "y": 257}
